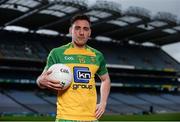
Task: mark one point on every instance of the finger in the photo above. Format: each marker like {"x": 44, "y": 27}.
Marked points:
{"x": 55, "y": 85}
{"x": 97, "y": 106}
{"x": 50, "y": 87}
{"x": 48, "y": 72}
{"x": 44, "y": 72}
{"x": 99, "y": 114}
{"x": 98, "y": 109}
{"x": 52, "y": 81}
{"x": 55, "y": 88}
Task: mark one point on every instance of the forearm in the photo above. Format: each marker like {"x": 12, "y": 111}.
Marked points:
{"x": 39, "y": 80}
{"x": 105, "y": 89}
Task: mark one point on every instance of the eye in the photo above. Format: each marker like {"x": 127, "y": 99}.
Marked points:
{"x": 86, "y": 28}
{"x": 77, "y": 27}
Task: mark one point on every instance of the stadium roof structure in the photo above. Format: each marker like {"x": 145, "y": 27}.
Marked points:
{"x": 108, "y": 20}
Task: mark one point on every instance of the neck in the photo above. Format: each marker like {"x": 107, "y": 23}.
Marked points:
{"x": 78, "y": 46}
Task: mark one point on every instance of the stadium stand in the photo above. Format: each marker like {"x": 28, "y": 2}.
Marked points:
{"x": 152, "y": 59}
{"x": 173, "y": 98}
{"x": 162, "y": 105}
{"x": 28, "y": 98}
{"x": 18, "y": 101}
{"x": 139, "y": 56}
{"x": 9, "y": 105}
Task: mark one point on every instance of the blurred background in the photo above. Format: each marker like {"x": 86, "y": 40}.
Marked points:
{"x": 139, "y": 39}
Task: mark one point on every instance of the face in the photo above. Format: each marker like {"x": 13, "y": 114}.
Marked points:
{"x": 80, "y": 32}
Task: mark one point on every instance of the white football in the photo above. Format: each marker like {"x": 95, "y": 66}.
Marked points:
{"x": 61, "y": 73}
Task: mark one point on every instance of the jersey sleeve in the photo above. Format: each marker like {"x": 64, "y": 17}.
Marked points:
{"x": 102, "y": 67}
{"x": 50, "y": 60}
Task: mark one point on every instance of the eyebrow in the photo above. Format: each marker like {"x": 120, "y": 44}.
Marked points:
{"x": 77, "y": 26}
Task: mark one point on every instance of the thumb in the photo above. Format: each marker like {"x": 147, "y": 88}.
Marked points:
{"x": 48, "y": 72}
{"x": 97, "y": 106}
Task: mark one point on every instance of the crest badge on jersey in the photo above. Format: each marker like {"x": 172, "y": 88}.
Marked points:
{"x": 93, "y": 59}
{"x": 82, "y": 75}
{"x": 81, "y": 59}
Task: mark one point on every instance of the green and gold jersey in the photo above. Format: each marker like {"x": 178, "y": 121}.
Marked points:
{"x": 78, "y": 102}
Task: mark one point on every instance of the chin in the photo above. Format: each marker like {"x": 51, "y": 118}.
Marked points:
{"x": 80, "y": 43}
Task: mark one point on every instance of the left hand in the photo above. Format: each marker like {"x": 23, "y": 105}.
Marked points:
{"x": 100, "y": 109}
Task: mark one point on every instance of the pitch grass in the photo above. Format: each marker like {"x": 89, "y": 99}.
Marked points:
{"x": 151, "y": 117}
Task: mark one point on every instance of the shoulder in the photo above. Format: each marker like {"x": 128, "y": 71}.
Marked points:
{"x": 97, "y": 52}
{"x": 60, "y": 49}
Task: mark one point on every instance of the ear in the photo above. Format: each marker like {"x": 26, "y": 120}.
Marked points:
{"x": 70, "y": 30}
{"x": 89, "y": 32}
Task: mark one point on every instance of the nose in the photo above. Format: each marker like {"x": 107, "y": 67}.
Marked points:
{"x": 81, "y": 32}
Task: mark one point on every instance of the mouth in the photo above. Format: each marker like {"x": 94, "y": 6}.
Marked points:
{"x": 81, "y": 38}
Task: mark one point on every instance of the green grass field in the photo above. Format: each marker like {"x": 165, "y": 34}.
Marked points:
{"x": 151, "y": 117}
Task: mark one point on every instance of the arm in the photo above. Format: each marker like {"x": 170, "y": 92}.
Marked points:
{"x": 43, "y": 81}
{"x": 104, "y": 91}
{"x": 38, "y": 81}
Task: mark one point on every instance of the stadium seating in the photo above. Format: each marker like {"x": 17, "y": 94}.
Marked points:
{"x": 18, "y": 101}
{"x": 160, "y": 105}
{"x": 8, "y": 105}
{"x": 152, "y": 58}
{"x": 170, "y": 97}
{"x": 36, "y": 47}
{"x": 31, "y": 101}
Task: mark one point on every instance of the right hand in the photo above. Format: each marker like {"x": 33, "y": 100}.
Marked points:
{"x": 45, "y": 81}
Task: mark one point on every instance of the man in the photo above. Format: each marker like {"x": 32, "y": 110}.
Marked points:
{"x": 78, "y": 102}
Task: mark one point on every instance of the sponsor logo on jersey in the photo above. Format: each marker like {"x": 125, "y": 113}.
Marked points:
{"x": 70, "y": 58}
{"x": 83, "y": 86}
{"x": 82, "y": 75}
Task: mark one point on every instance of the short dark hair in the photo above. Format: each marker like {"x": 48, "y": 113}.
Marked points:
{"x": 80, "y": 17}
